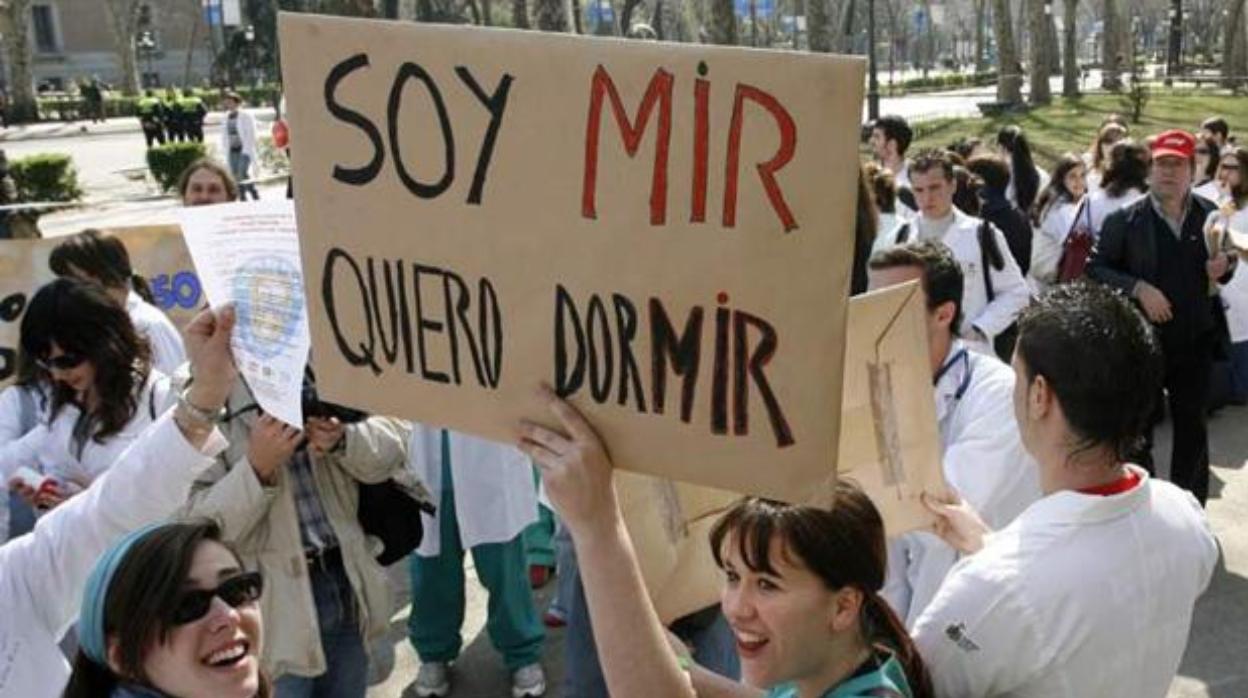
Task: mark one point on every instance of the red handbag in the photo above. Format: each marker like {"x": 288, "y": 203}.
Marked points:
{"x": 1077, "y": 246}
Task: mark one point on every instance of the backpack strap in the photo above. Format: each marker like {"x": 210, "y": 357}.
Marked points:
{"x": 903, "y": 234}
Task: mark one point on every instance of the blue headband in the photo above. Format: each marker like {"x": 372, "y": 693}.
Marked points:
{"x": 91, "y": 621}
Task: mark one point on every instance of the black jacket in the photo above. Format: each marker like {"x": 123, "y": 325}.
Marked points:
{"x": 1128, "y": 251}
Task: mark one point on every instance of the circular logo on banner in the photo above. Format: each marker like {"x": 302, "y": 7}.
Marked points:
{"x": 268, "y": 297}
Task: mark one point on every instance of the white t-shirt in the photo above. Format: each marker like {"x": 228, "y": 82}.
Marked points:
{"x": 1101, "y": 204}
{"x": 1083, "y": 595}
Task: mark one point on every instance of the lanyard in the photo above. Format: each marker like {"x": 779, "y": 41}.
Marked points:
{"x": 965, "y": 358}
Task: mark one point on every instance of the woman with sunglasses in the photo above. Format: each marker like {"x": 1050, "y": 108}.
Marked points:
{"x": 1098, "y": 156}
{"x": 170, "y": 611}
{"x": 1233, "y": 216}
{"x": 95, "y": 256}
{"x": 800, "y": 587}
{"x": 103, "y": 390}
{"x": 43, "y": 573}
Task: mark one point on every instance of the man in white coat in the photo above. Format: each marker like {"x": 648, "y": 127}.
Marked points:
{"x": 983, "y": 457}
{"x": 486, "y": 497}
{"x": 42, "y": 574}
{"x": 238, "y": 139}
{"x": 1089, "y": 592}
{"x": 994, "y": 290}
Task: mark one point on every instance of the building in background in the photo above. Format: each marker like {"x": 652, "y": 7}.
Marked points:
{"x": 73, "y": 39}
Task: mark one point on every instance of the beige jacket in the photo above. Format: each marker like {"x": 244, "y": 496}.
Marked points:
{"x": 263, "y": 524}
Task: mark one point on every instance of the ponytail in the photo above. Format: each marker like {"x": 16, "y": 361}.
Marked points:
{"x": 141, "y": 287}
{"x": 882, "y": 628}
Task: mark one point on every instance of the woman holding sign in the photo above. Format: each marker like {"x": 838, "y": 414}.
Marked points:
{"x": 800, "y": 587}
{"x": 104, "y": 391}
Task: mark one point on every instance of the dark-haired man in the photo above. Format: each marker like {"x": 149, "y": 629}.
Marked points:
{"x": 890, "y": 138}
{"x": 1156, "y": 251}
{"x": 983, "y": 457}
{"x": 993, "y": 287}
{"x": 1090, "y": 591}
{"x": 1215, "y": 127}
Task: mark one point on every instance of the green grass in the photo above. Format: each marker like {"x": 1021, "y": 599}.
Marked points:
{"x": 1070, "y": 124}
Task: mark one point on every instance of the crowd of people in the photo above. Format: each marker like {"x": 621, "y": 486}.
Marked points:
{"x": 166, "y": 537}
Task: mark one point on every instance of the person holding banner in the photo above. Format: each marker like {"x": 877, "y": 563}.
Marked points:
{"x": 800, "y": 592}
{"x": 993, "y": 287}
{"x": 43, "y": 574}
{"x": 104, "y": 390}
{"x": 205, "y": 182}
{"x": 983, "y": 457}
{"x": 486, "y": 499}
{"x": 288, "y": 501}
{"x": 1090, "y": 591}
{"x": 96, "y": 256}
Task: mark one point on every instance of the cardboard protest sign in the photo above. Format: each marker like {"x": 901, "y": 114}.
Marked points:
{"x": 156, "y": 252}
{"x": 890, "y": 442}
{"x": 890, "y": 446}
{"x": 661, "y": 232}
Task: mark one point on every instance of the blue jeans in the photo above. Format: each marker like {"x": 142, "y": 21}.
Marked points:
{"x": 714, "y": 647}
{"x": 240, "y": 163}
{"x": 346, "y": 657}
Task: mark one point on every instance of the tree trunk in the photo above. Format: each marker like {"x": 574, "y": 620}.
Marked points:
{"x": 1070, "y": 40}
{"x": 16, "y": 28}
{"x": 1052, "y": 47}
{"x": 123, "y": 16}
{"x": 1110, "y": 64}
{"x": 723, "y": 28}
{"x": 520, "y": 14}
{"x": 1009, "y": 77}
{"x": 1038, "y": 57}
{"x": 818, "y": 30}
{"x": 1232, "y": 46}
{"x": 550, "y": 15}
{"x": 487, "y": 12}
{"x": 981, "y": 58}
{"x": 190, "y": 43}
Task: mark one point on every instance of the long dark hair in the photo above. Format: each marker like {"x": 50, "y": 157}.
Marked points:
{"x": 866, "y": 227}
{"x": 100, "y": 256}
{"x": 843, "y": 544}
{"x": 80, "y": 318}
{"x": 140, "y": 602}
{"x": 1022, "y": 166}
{"x": 1211, "y": 167}
{"x": 1056, "y": 192}
{"x": 1128, "y": 168}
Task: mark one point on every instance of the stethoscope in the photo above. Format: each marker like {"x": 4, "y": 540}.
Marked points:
{"x": 965, "y": 358}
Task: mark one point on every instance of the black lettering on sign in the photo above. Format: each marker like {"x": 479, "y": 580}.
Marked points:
{"x": 585, "y": 352}
{"x": 11, "y": 309}
{"x": 361, "y": 175}
{"x": 495, "y": 104}
{"x": 378, "y": 293}
{"x": 411, "y": 71}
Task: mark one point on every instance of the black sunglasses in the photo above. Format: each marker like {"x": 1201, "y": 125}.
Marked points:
{"x": 64, "y": 362}
{"x": 235, "y": 591}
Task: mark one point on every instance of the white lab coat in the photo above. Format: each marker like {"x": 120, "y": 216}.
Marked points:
{"x": 1235, "y": 292}
{"x": 246, "y": 133}
{"x": 1047, "y": 243}
{"x": 495, "y": 496}
{"x": 1211, "y": 191}
{"x": 167, "y": 350}
{"x": 984, "y": 461}
{"x": 1083, "y": 595}
{"x": 49, "y": 448}
{"x": 22, "y": 408}
{"x": 42, "y": 574}
{"x": 1011, "y": 291}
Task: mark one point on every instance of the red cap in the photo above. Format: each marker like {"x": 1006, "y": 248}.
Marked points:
{"x": 1176, "y": 143}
